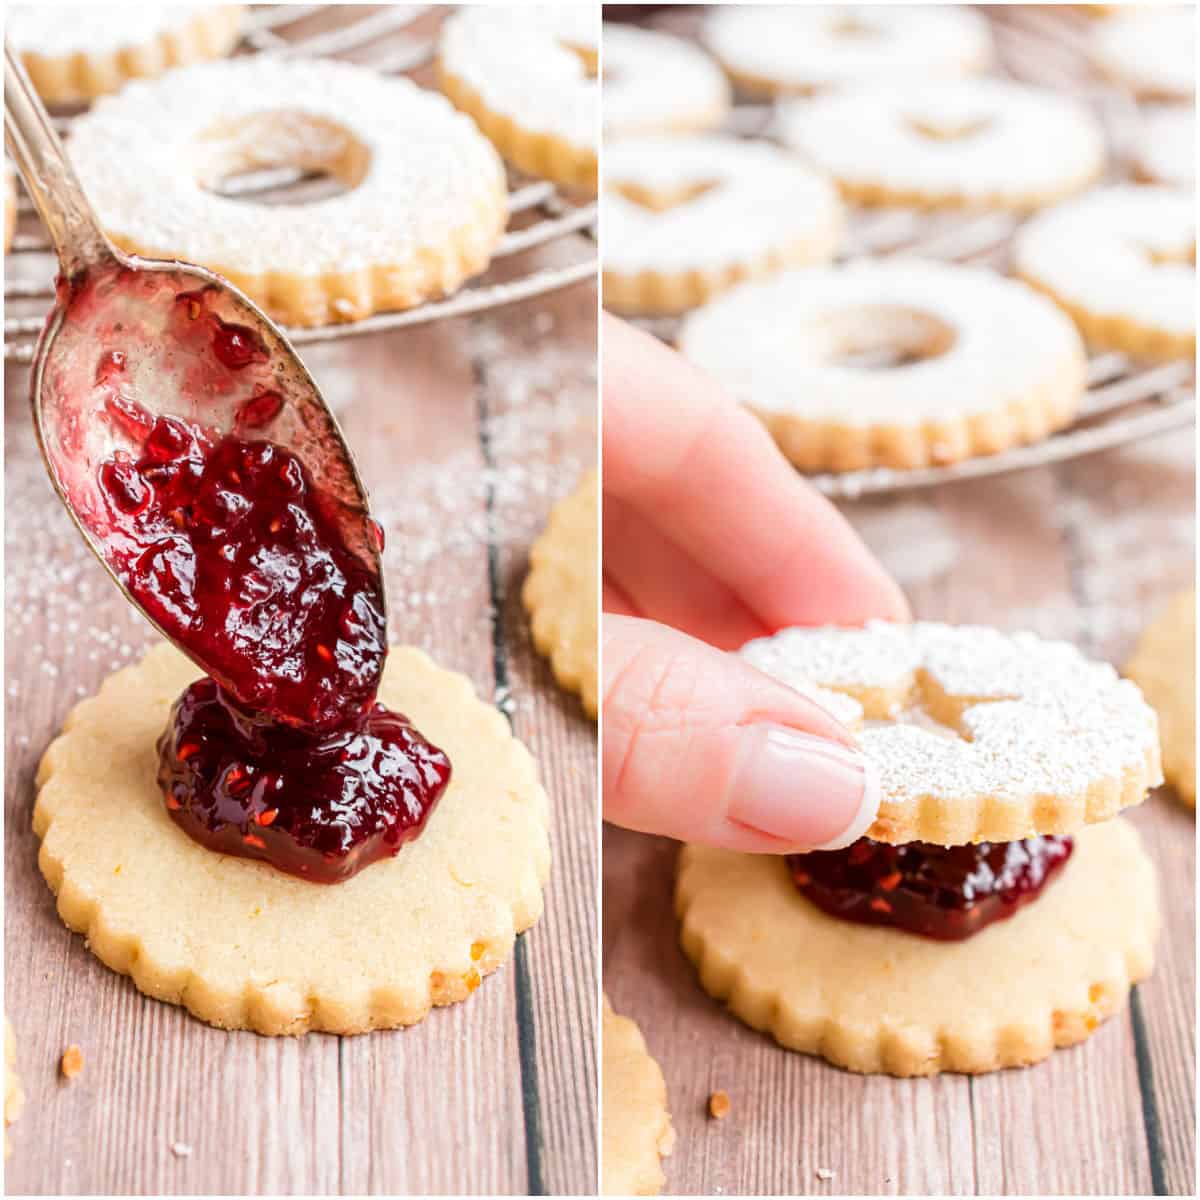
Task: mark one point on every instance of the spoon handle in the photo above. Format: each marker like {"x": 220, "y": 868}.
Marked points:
{"x": 49, "y": 176}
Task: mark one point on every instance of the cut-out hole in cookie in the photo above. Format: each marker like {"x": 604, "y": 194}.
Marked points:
{"x": 945, "y": 130}
{"x": 588, "y": 55}
{"x": 665, "y": 199}
{"x": 280, "y": 158}
{"x": 930, "y": 707}
{"x": 852, "y": 28}
{"x": 881, "y": 337}
{"x": 1173, "y": 256}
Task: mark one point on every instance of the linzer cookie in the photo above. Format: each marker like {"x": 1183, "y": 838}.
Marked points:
{"x": 687, "y": 218}
{"x": 1165, "y": 151}
{"x": 245, "y": 944}
{"x": 892, "y": 364}
{"x": 561, "y": 592}
{"x": 636, "y": 1128}
{"x": 75, "y": 52}
{"x": 1003, "y": 760}
{"x": 424, "y": 207}
{"x": 527, "y": 75}
{"x": 1149, "y": 50}
{"x": 780, "y": 49}
{"x": 1122, "y": 262}
{"x": 980, "y": 143}
{"x": 1164, "y": 667}
{"x": 655, "y": 83}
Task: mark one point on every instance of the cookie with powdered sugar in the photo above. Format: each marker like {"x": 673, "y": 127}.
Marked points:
{"x": 997, "y": 909}
{"x": 527, "y": 75}
{"x": 424, "y": 205}
{"x": 978, "y": 735}
{"x": 688, "y": 218}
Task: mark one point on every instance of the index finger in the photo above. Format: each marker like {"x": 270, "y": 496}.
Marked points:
{"x": 709, "y": 476}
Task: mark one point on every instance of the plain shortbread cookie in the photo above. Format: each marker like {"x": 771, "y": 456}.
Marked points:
{"x": 879, "y": 1000}
{"x": 243, "y": 945}
{"x": 561, "y": 592}
{"x": 637, "y": 1131}
{"x": 1164, "y": 667}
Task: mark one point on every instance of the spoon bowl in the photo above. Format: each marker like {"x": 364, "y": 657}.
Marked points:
{"x": 130, "y": 340}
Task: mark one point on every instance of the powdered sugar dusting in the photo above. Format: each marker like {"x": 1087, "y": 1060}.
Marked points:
{"x": 1039, "y": 718}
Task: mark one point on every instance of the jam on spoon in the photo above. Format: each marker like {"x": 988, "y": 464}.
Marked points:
{"x": 942, "y": 892}
{"x": 281, "y": 752}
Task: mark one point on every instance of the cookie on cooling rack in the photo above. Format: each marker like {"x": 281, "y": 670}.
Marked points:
{"x": 562, "y": 592}
{"x": 75, "y": 52}
{"x": 1150, "y": 51}
{"x": 1164, "y": 667}
{"x": 1165, "y": 150}
{"x": 788, "y": 49}
{"x": 243, "y": 945}
{"x": 687, "y": 218}
{"x": 1021, "y": 919}
{"x": 655, "y": 83}
{"x": 527, "y": 75}
{"x": 636, "y": 1125}
{"x": 424, "y": 204}
{"x": 1121, "y": 261}
{"x": 979, "y": 143}
{"x": 900, "y": 363}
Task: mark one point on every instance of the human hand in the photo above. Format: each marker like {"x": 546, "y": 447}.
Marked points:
{"x": 711, "y": 539}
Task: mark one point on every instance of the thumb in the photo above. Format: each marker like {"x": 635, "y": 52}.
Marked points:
{"x": 700, "y": 746}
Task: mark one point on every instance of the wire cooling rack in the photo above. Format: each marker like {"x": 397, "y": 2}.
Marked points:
{"x": 1126, "y": 399}
{"x": 395, "y": 39}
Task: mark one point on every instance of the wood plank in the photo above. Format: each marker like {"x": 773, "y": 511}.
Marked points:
{"x": 540, "y": 400}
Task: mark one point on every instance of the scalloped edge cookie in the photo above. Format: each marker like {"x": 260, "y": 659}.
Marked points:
{"x": 395, "y": 238}
{"x": 1164, "y": 667}
{"x": 244, "y": 946}
{"x": 881, "y": 1001}
{"x": 561, "y": 592}
{"x": 1041, "y": 738}
{"x": 636, "y": 1124}
{"x": 209, "y": 33}
{"x": 971, "y": 399}
{"x": 14, "y": 1097}
{"x": 536, "y": 136}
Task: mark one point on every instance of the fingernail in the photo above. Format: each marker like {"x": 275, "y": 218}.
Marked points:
{"x": 807, "y": 791}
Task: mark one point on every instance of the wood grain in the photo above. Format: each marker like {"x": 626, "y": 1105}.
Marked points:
{"x": 496, "y": 1095}
{"x": 1086, "y": 552}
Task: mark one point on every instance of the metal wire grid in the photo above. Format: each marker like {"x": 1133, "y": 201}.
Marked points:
{"x": 1126, "y": 400}
{"x": 359, "y": 38}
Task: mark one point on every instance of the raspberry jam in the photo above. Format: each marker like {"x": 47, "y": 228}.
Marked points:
{"x": 266, "y": 572}
{"x": 321, "y": 807}
{"x": 942, "y": 892}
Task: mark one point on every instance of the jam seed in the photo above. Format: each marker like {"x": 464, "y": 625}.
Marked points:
{"x": 879, "y": 904}
{"x": 267, "y": 817}
{"x": 891, "y": 882}
{"x": 252, "y": 839}
{"x": 324, "y": 652}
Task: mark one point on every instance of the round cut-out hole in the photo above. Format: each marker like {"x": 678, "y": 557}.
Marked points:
{"x": 280, "y": 157}
{"x": 663, "y": 200}
{"x": 946, "y": 130}
{"x": 883, "y": 336}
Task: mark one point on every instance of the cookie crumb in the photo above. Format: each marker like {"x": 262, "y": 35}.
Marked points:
{"x": 72, "y": 1062}
{"x": 181, "y": 1150}
{"x": 718, "y": 1105}
{"x": 824, "y": 1174}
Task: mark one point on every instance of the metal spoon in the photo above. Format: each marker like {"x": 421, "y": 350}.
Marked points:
{"x": 111, "y": 301}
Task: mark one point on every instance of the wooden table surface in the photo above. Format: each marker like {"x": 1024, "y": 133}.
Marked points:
{"x": 467, "y": 432}
{"x": 1086, "y": 552}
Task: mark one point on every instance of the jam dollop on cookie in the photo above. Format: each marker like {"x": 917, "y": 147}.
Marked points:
{"x": 281, "y": 752}
{"x": 320, "y": 806}
{"x": 942, "y": 892}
